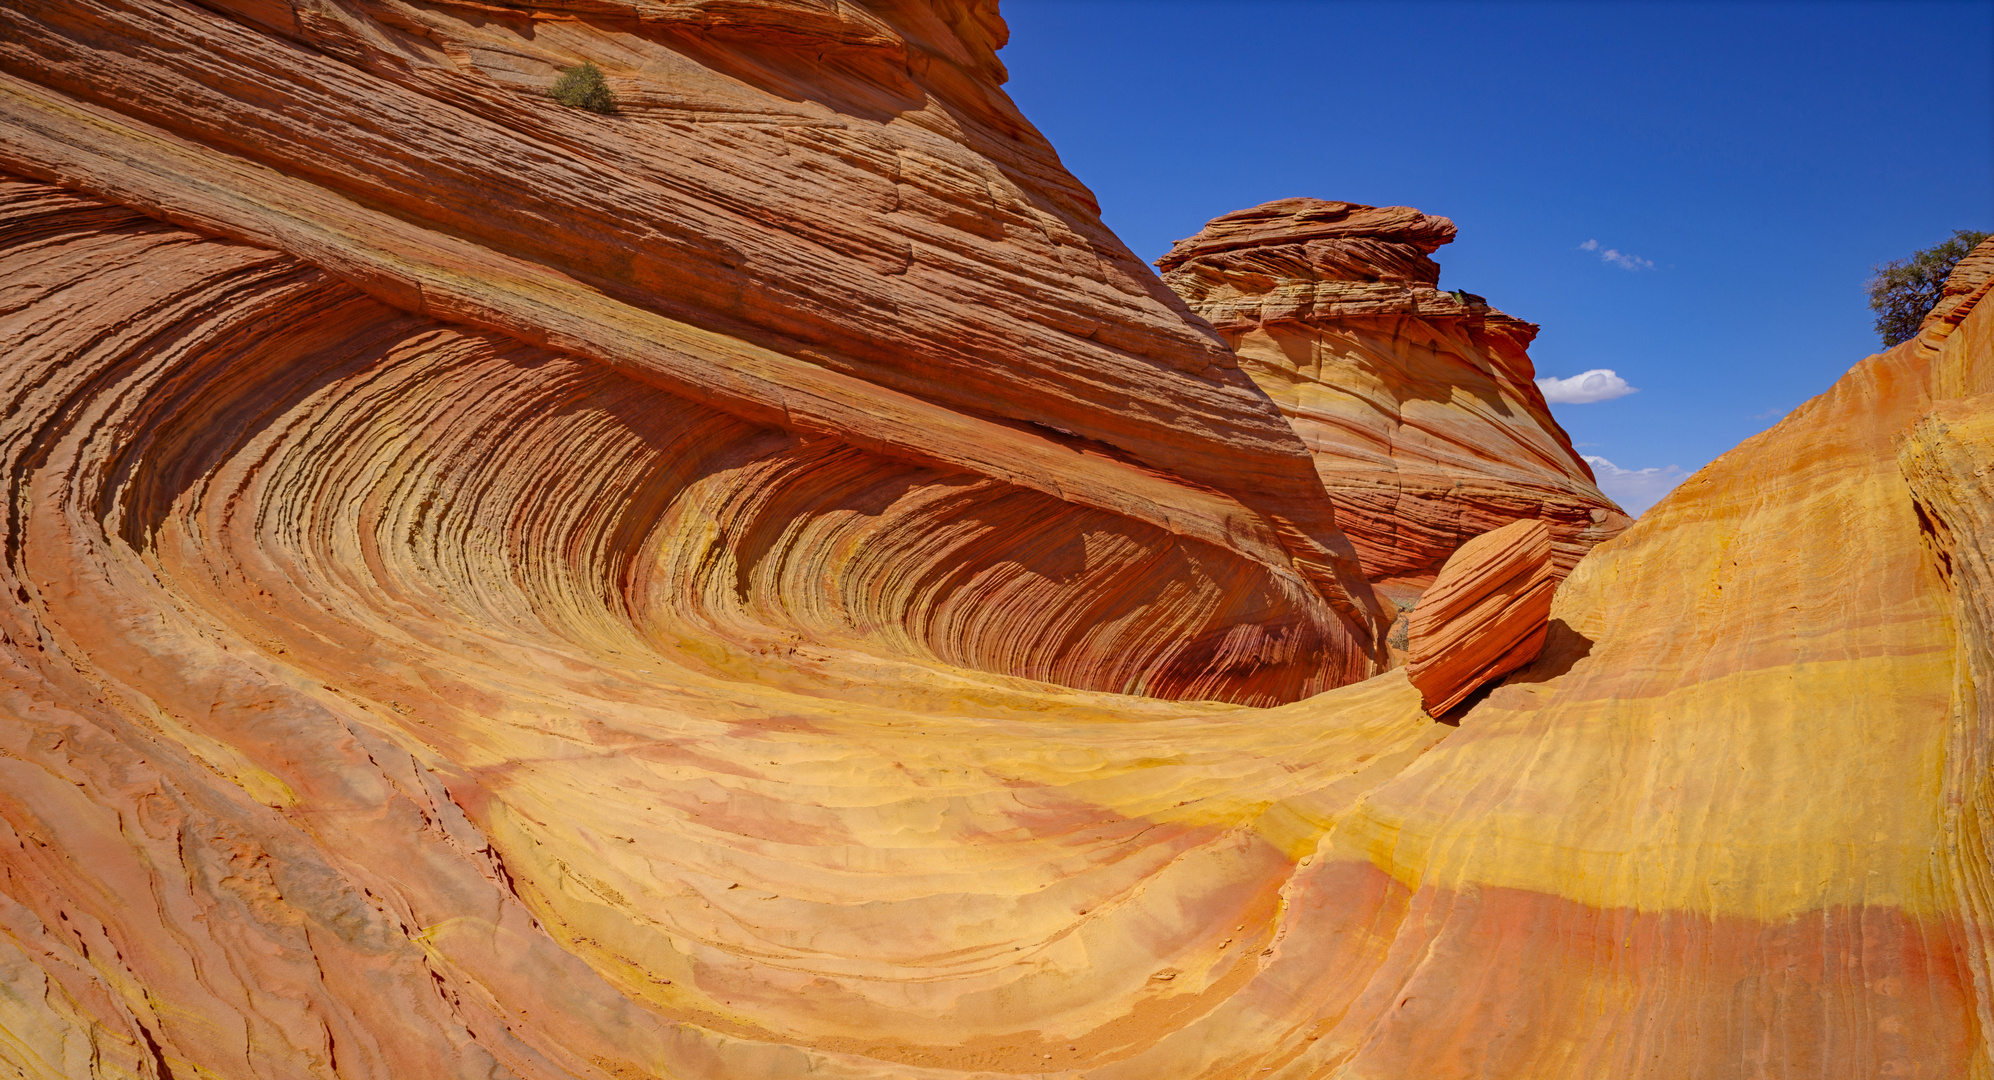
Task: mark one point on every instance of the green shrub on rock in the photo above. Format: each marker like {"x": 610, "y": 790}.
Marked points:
{"x": 1903, "y": 291}
{"x": 583, "y": 87}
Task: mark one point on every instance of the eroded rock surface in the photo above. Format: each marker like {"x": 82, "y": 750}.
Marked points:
{"x": 764, "y": 585}
{"x": 1971, "y": 278}
{"x": 1419, "y": 405}
{"x": 876, "y": 249}
{"x": 1484, "y": 616}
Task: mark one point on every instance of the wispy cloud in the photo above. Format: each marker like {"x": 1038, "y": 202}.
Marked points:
{"x": 1599, "y": 384}
{"x": 1634, "y": 489}
{"x": 1618, "y": 258}
{"x": 1776, "y": 410}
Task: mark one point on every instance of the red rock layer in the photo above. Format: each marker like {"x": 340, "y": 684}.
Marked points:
{"x": 302, "y": 570}
{"x": 1419, "y": 405}
{"x": 701, "y": 519}
{"x": 875, "y": 248}
{"x": 329, "y": 752}
{"x": 384, "y": 695}
{"x": 1971, "y": 278}
{"x": 1484, "y": 615}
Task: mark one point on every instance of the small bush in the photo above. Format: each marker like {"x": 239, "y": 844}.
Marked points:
{"x": 583, "y": 87}
{"x": 1902, "y": 292}
{"x": 1400, "y": 637}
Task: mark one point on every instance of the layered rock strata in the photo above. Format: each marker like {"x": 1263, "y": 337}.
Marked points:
{"x": 478, "y": 707}
{"x": 1484, "y": 615}
{"x": 1419, "y": 405}
{"x": 876, "y": 249}
{"x": 422, "y": 654}
{"x": 1970, "y": 280}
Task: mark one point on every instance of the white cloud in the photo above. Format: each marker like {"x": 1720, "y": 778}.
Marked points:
{"x": 1599, "y": 384}
{"x": 1634, "y": 489}
{"x": 1618, "y": 258}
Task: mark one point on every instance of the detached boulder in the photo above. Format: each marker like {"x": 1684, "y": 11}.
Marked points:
{"x": 1484, "y": 616}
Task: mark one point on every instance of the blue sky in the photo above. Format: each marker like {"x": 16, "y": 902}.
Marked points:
{"x": 1750, "y": 162}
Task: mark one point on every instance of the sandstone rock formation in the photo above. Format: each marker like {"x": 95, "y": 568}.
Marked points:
{"x": 878, "y": 251}
{"x": 1970, "y": 280}
{"x": 764, "y": 585}
{"x": 1484, "y": 616}
{"x": 1419, "y": 405}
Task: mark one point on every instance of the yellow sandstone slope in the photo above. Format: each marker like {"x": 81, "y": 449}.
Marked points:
{"x": 430, "y": 651}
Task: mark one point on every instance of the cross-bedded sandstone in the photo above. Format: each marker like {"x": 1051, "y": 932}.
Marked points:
{"x": 765, "y": 585}
{"x": 1418, "y": 404}
{"x": 1483, "y": 616}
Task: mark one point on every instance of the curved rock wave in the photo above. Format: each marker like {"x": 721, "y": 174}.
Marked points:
{"x": 293, "y": 422}
{"x": 425, "y": 654}
{"x": 417, "y": 595}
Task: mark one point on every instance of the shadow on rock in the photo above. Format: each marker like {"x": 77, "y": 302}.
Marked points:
{"x": 1563, "y": 648}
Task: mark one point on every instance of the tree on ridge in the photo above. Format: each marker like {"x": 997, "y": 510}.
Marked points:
{"x": 1903, "y": 291}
